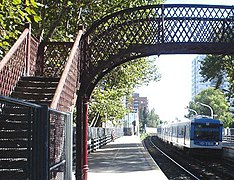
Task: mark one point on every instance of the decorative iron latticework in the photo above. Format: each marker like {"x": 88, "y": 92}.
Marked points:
{"x": 19, "y": 61}
{"x": 65, "y": 95}
{"x": 155, "y": 30}
{"x": 52, "y": 58}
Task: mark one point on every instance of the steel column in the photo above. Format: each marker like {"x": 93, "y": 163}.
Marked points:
{"x": 85, "y": 138}
{"x": 79, "y": 138}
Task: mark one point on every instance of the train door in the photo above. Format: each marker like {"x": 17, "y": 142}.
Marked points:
{"x": 184, "y": 134}
{"x": 177, "y": 134}
{"x": 173, "y": 138}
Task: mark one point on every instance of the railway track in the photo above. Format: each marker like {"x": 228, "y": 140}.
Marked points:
{"x": 196, "y": 168}
{"x": 168, "y": 165}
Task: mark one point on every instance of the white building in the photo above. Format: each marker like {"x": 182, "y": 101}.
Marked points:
{"x": 197, "y": 80}
{"x": 131, "y": 123}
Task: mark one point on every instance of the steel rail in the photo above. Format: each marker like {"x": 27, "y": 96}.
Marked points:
{"x": 187, "y": 171}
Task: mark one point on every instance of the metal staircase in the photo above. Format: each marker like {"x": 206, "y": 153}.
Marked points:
{"x": 37, "y": 95}
{"x": 39, "y": 90}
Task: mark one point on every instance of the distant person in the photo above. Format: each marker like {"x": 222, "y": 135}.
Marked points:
{"x": 113, "y": 135}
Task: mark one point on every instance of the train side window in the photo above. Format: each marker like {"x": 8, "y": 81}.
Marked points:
{"x": 187, "y": 131}
{"x": 180, "y": 131}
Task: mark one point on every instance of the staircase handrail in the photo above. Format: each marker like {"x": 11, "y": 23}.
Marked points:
{"x": 59, "y": 101}
{"x": 14, "y": 63}
{"x": 13, "y": 49}
{"x": 20, "y": 60}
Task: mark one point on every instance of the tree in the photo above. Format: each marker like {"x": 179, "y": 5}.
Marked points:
{"x": 148, "y": 118}
{"x": 153, "y": 119}
{"x": 215, "y": 99}
{"x": 107, "y": 100}
{"x": 55, "y": 20}
{"x": 60, "y": 18}
{"x": 217, "y": 67}
{"x": 13, "y": 14}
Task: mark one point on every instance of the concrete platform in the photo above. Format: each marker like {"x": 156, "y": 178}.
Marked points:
{"x": 124, "y": 159}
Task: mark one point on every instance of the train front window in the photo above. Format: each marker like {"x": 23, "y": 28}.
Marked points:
{"x": 206, "y": 131}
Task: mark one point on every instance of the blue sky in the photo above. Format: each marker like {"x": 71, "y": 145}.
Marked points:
{"x": 172, "y": 94}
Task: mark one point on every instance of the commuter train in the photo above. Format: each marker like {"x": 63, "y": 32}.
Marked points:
{"x": 197, "y": 133}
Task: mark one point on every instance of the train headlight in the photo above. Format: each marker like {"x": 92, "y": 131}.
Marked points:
{"x": 217, "y": 143}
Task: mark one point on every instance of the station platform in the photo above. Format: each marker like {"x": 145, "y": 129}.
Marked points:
{"x": 123, "y": 159}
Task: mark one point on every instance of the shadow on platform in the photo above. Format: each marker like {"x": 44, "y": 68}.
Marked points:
{"x": 125, "y": 158}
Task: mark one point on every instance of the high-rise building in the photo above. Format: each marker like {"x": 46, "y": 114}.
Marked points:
{"x": 198, "y": 83}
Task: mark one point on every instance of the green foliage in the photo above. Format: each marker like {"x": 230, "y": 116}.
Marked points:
{"x": 108, "y": 97}
{"x": 153, "y": 119}
{"x": 143, "y": 118}
{"x": 215, "y": 67}
{"x": 215, "y": 99}
{"x": 143, "y": 136}
{"x": 60, "y": 18}
{"x": 13, "y": 14}
{"x": 150, "y": 118}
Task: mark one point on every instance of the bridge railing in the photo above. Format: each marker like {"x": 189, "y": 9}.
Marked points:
{"x": 65, "y": 95}
{"x": 60, "y": 145}
{"x": 161, "y": 29}
{"x": 228, "y": 135}
{"x": 19, "y": 61}
{"x": 228, "y": 138}
{"x": 19, "y": 157}
{"x": 98, "y": 137}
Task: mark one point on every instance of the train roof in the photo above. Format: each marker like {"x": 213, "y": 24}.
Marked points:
{"x": 197, "y": 119}
{"x": 206, "y": 120}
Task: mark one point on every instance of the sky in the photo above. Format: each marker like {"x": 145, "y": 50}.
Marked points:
{"x": 172, "y": 93}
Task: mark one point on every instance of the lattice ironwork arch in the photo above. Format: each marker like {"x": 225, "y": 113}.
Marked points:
{"x": 154, "y": 30}
{"x": 145, "y": 31}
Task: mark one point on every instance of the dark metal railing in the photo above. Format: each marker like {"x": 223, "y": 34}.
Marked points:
{"x": 60, "y": 145}
{"x": 228, "y": 138}
{"x": 65, "y": 95}
{"x": 35, "y": 141}
{"x": 98, "y": 137}
{"x": 20, "y": 157}
{"x": 52, "y": 57}
{"x": 155, "y": 30}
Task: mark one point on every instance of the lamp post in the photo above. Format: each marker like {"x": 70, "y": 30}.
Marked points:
{"x": 211, "y": 110}
{"x": 192, "y": 110}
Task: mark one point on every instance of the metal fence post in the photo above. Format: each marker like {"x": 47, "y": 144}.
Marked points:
{"x": 69, "y": 147}
{"x": 43, "y": 144}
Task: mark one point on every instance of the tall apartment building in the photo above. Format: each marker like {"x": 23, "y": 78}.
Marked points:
{"x": 139, "y": 102}
{"x": 197, "y": 80}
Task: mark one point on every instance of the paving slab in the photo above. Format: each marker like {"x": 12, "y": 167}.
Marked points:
{"x": 125, "y": 158}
